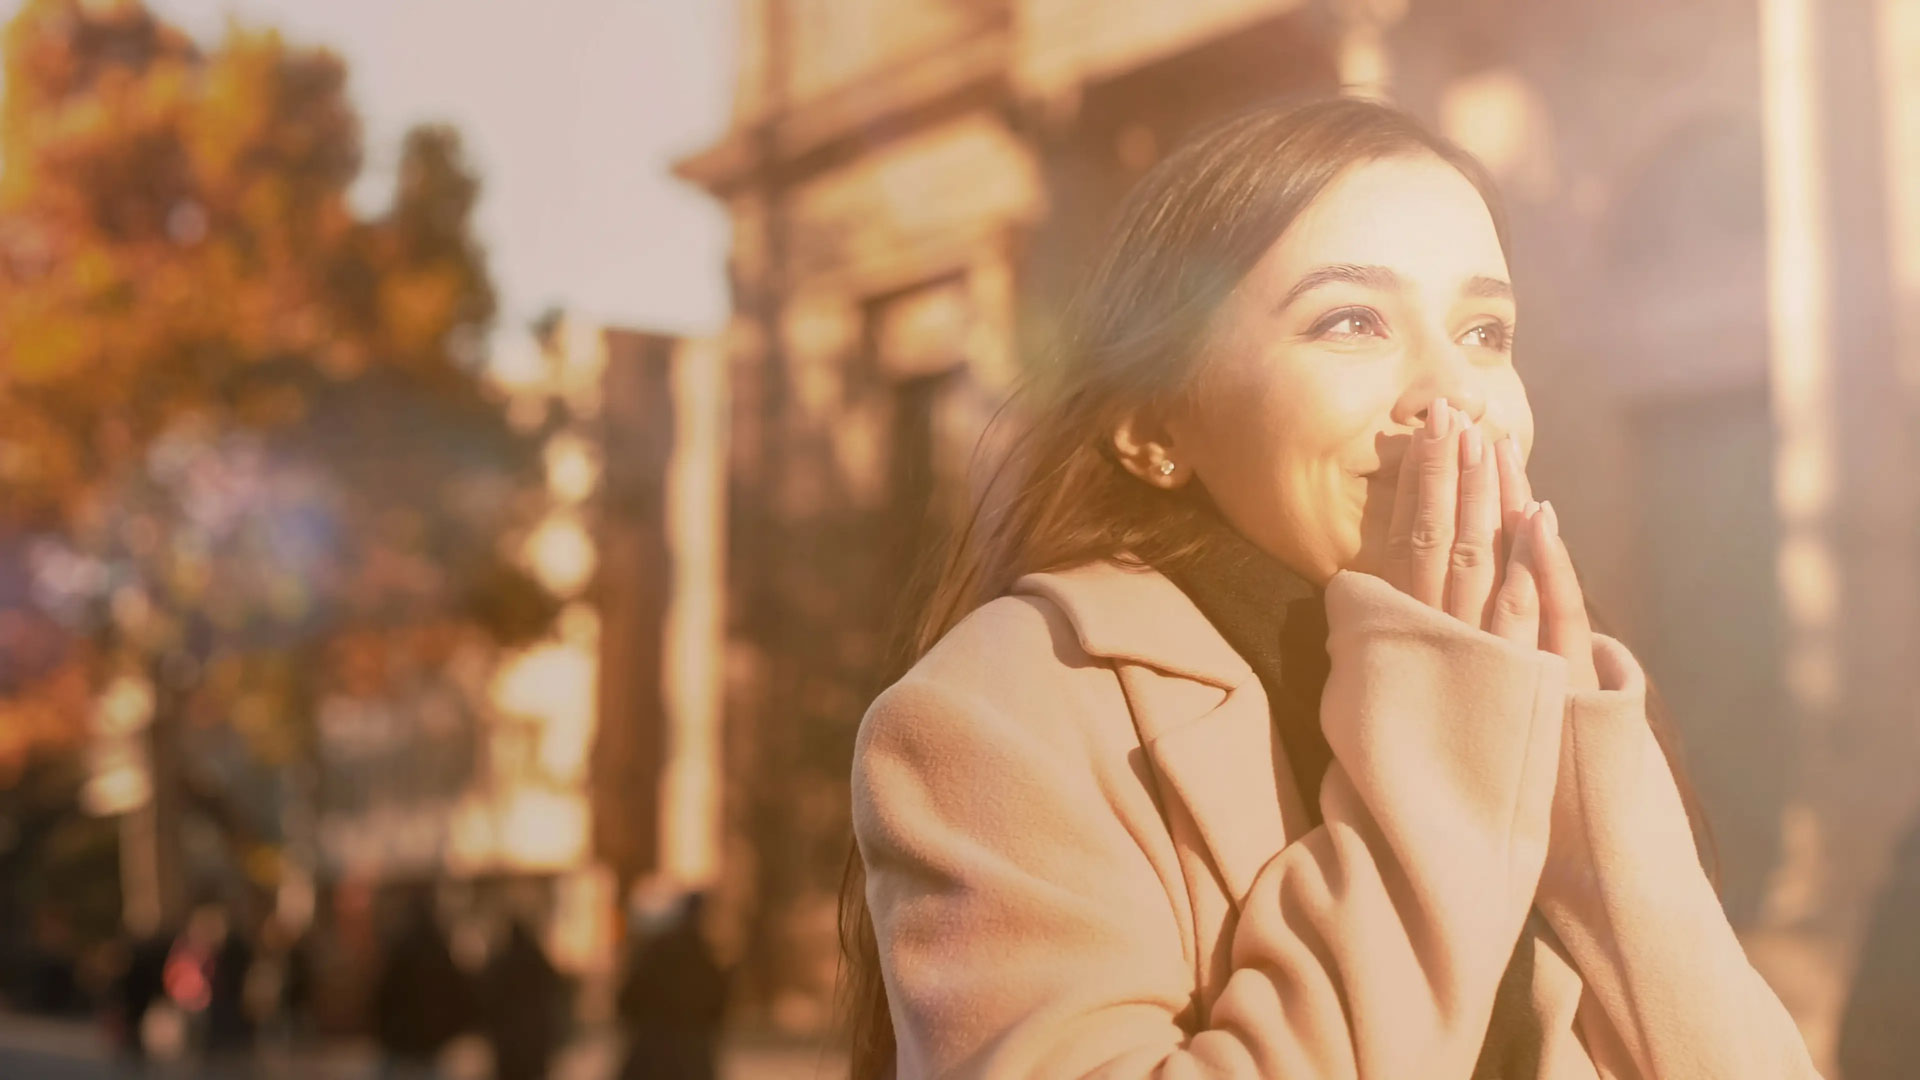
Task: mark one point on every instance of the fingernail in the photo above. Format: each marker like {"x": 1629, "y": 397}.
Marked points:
{"x": 1436, "y": 416}
{"x": 1522, "y": 538}
{"x": 1472, "y": 447}
{"x": 1553, "y": 520}
{"x": 1532, "y": 508}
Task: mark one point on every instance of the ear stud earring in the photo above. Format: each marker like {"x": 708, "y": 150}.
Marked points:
{"x": 1166, "y": 468}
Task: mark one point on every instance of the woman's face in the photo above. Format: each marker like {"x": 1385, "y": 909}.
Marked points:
{"x": 1389, "y": 291}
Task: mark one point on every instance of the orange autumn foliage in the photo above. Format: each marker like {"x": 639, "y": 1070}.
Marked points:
{"x": 175, "y": 223}
{"x": 181, "y": 268}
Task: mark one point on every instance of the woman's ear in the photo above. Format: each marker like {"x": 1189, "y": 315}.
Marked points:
{"x": 1145, "y": 449}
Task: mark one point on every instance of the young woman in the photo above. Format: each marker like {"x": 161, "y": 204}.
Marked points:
{"x": 1258, "y": 730}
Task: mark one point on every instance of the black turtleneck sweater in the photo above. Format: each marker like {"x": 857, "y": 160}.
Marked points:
{"x": 1277, "y": 621}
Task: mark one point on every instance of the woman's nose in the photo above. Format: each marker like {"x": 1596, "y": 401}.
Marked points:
{"x": 1418, "y": 401}
{"x": 1439, "y": 369}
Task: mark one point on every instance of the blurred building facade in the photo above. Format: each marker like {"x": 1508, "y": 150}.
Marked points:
{"x": 1718, "y": 285}
{"x": 578, "y": 765}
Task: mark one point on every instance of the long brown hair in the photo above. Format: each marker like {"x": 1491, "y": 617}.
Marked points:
{"x": 1134, "y": 334}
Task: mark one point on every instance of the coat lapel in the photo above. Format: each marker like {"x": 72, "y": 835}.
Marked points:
{"x": 1202, "y": 717}
{"x": 1226, "y": 766}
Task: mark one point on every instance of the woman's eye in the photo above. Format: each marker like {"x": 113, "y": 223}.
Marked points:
{"x": 1349, "y": 323}
{"x": 1488, "y": 336}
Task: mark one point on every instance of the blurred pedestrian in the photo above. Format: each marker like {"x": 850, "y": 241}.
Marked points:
{"x": 204, "y": 977}
{"x": 53, "y": 984}
{"x": 422, "y": 999}
{"x": 280, "y": 985}
{"x": 673, "y": 1001}
{"x": 140, "y": 984}
{"x": 522, "y": 998}
{"x": 230, "y": 1022}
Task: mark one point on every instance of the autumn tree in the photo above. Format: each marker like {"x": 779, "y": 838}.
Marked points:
{"x": 243, "y": 441}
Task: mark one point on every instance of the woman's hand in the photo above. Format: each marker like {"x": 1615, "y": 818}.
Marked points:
{"x": 1466, "y": 537}
{"x": 1420, "y": 536}
{"x": 1564, "y": 628}
{"x": 1446, "y": 539}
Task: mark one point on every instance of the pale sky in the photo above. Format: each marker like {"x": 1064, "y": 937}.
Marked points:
{"x": 571, "y": 110}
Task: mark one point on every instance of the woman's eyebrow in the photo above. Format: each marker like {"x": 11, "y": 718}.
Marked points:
{"x": 1487, "y": 288}
{"x": 1374, "y": 277}
{"x": 1480, "y": 286}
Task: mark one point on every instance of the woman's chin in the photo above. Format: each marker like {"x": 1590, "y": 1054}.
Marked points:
{"x": 1363, "y": 562}
{"x": 1364, "y": 549}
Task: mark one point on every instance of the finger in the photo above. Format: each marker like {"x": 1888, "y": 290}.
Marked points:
{"x": 1515, "y": 489}
{"x": 1397, "y": 566}
{"x": 1564, "y": 627}
{"x": 1516, "y": 608}
{"x": 1474, "y": 562}
{"x": 1407, "y": 498}
{"x": 1429, "y": 537}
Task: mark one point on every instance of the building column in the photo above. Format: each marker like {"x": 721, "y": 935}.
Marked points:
{"x": 1842, "y": 379}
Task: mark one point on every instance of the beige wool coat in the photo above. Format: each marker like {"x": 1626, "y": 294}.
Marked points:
{"x": 1086, "y": 855}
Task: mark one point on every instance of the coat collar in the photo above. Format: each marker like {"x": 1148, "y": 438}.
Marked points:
{"x": 1202, "y": 717}
{"x": 1128, "y": 612}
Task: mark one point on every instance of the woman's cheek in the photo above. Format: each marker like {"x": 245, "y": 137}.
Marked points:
{"x": 1333, "y": 523}
{"x": 1370, "y": 514}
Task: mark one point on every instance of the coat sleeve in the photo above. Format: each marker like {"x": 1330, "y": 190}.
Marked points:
{"x": 1024, "y": 931}
{"x": 1671, "y": 995}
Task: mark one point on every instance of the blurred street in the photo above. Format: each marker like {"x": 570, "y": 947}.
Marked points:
{"x": 32, "y": 1048}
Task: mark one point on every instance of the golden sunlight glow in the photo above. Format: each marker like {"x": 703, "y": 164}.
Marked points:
{"x": 124, "y": 707}
{"x": 552, "y": 684}
{"x": 544, "y": 828}
{"x": 582, "y": 363}
{"x": 1900, "y": 102}
{"x": 573, "y": 468}
{"x": 1362, "y": 62}
{"x": 115, "y": 786}
{"x": 516, "y": 366}
{"x": 1501, "y": 119}
{"x": 1810, "y": 582}
{"x": 690, "y": 801}
{"x": 582, "y": 935}
{"x": 561, "y": 554}
{"x": 523, "y": 828}
{"x": 1799, "y": 260}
